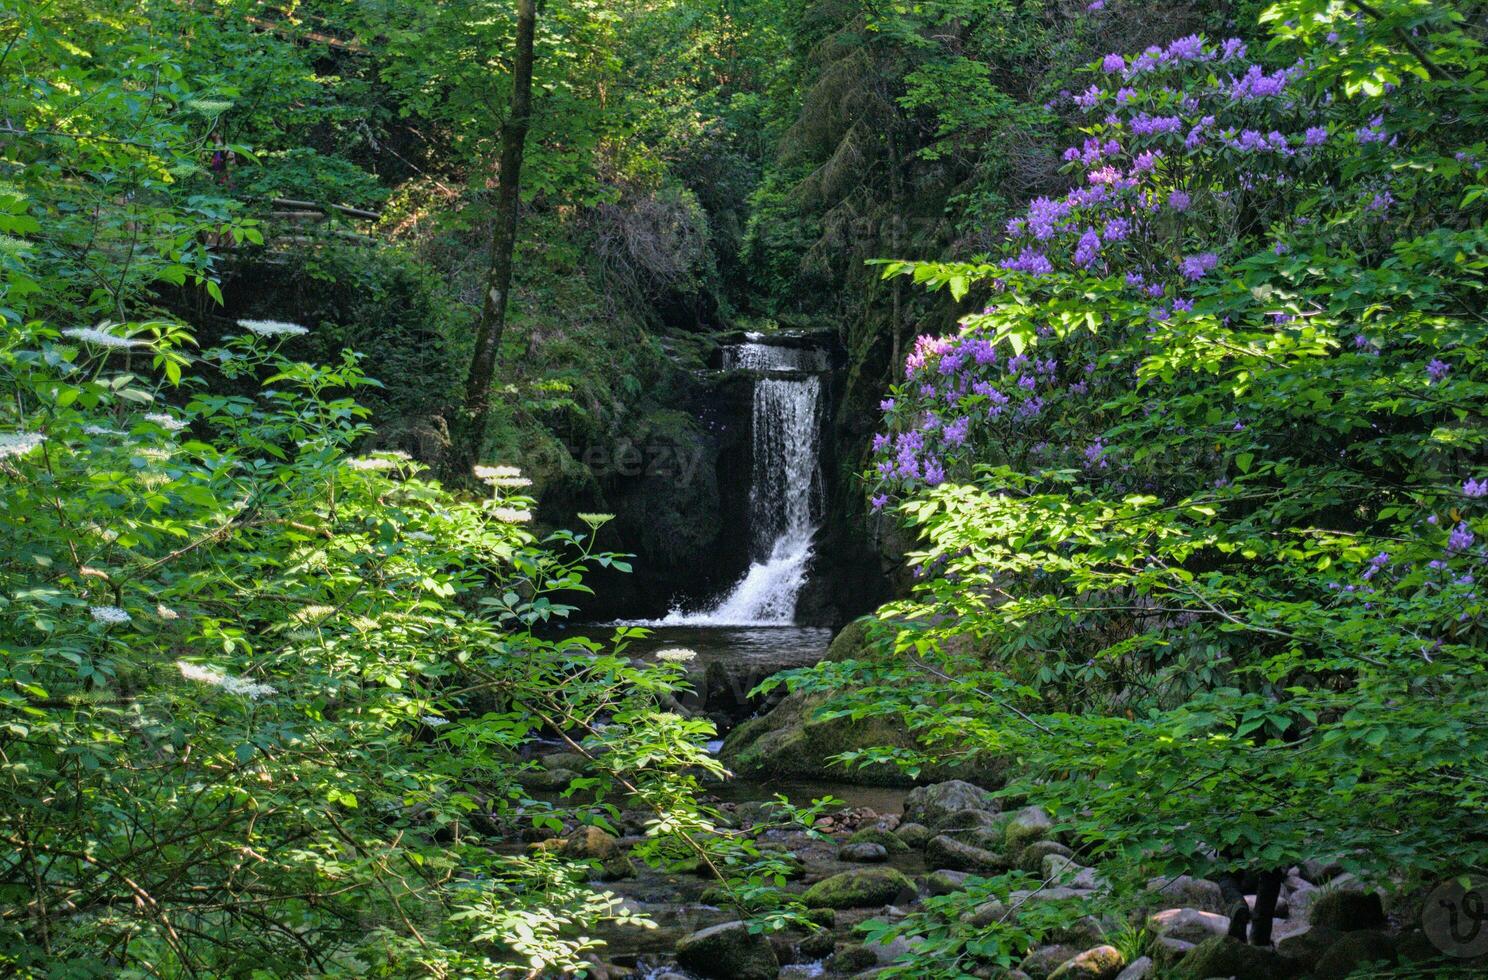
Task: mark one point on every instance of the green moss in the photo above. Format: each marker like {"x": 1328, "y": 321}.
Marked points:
{"x": 859, "y": 888}
{"x": 872, "y": 835}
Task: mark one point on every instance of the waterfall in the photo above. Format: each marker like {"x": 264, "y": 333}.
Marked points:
{"x": 785, "y": 488}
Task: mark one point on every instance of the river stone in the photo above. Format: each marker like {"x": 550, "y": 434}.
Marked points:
{"x": 1189, "y": 925}
{"x": 914, "y": 834}
{"x": 728, "y": 951}
{"x": 948, "y": 852}
{"x": 590, "y": 842}
{"x": 1168, "y": 952}
{"x": 946, "y": 881}
{"x": 973, "y": 820}
{"x": 1100, "y": 963}
{"x": 859, "y": 888}
{"x": 985, "y": 914}
{"x": 851, "y": 959}
{"x": 1032, "y": 823}
{"x": 1054, "y": 893}
{"x": 1042, "y": 962}
{"x": 1347, "y": 911}
{"x": 1186, "y": 891}
{"x": 1138, "y": 969}
{"x": 546, "y": 778}
{"x": 932, "y": 804}
{"x": 1308, "y": 944}
{"x": 864, "y": 853}
{"x": 890, "y": 841}
{"x": 1226, "y": 957}
{"x": 1352, "y": 951}
{"x": 1032, "y": 857}
{"x": 1085, "y": 931}
{"x": 818, "y": 945}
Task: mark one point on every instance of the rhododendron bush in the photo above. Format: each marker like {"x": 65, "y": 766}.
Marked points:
{"x": 1201, "y": 487}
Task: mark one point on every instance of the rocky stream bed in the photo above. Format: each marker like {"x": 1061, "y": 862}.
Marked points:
{"x": 888, "y": 849}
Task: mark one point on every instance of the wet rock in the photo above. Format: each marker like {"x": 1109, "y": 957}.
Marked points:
{"x": 914, "y": 834}
{"x": 947, "y": 852}
{"x": 1054, "y": 893}
{"x": 891, "y": 951}
{"x": 546, "y": 778}
{"x": 931, "y": 805}
{"x": 1346, "y": 910}
{"x": 1032, "y": 823}
{"x": 728, "y": 951}
{"x": 859, "y": 888}
{"x": 1100, "y": 963}
{"x": 818, "y": 945}
{"x": 890, "y": 841}
{"x": 1352, "y": 951}
{"x": 1042, "y": 962}
{"x": 1226, "y": 957}
{"x": 1168, "y": 952}
{"x": 1032, "y": 857}
{"x": 1138, "y": 969}
{"x": 945, "y": 881}
{"x": 1186, "y": 891}
{"x": 564, "y": 760}
{"x": 1189, "y": 925}
{"x": 864, "y": 853}
{"x": 826, "y": 918}
{"x": 851, "y": 959}
{"x": 1307, "y": 945}
{"x": 1085, "y": 931}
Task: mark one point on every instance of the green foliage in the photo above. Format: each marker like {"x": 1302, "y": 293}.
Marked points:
{"x": 1205, "y": 575}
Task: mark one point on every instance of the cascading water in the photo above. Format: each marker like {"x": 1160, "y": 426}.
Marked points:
{"x": 785, "y": 488}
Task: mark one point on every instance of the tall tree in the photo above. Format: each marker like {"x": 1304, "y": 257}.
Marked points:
{"x": 471, "y": 427}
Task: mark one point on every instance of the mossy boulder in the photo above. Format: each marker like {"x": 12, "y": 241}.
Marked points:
{"x": 1226, "y": 957}
{"x": 932, "y": 805}
{"x": 859, "y": 888}
{"x": 914, "y": 834}
{"x": 1347, "y": 910}
{"x": 1030, "y": 824}
{"x": 890, "y": 841}
{"x": 946, "y": 851}
{"x": 1353, "y": 950}
{"x": 729, "y": 951}
{"x": 1032, "y": 857}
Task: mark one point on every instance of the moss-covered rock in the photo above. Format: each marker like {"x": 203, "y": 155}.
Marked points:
{"x": 874, "y": 835}
{"x": 729, "y": 951}
{"x": 914, "y": 834}
{"x": 859, "y": 888}
{"x": 946, "y": 851}
{"x": 1030, "y": 824}
{"x": 1031, "y": 859}
{"x": 932, "y": 805}
{"x": 1353, "y": 950}
{"x": 1226, "y": 957}
{"x": 1347, "y": 910}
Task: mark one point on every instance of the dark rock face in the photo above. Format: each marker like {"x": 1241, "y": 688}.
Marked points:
{"x": 1347, "y": 911}
{"x": 1226, "y": 957}
{"x": 1352, "y": 951}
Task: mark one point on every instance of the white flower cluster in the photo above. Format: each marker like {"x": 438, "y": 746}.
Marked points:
{"x": 424, "y": 536}
{"x": 19, "y": 443}
{"x": 100, "y": 430}
{"x": 507, "y": 477}
{"x": 676, "y": 655}
{"x": 380, "y": 461}
{"x": 109, "y": 615}
{"x": 102, "y": 338}
{"x": 433, "y": 721}
{"x": 227, "y": 682}
{"x": 510, "y": 515}
{"x": 273, "y": 328}
{"x": 166, "y": 422}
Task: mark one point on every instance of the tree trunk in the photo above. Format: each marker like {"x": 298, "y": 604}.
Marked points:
{"x": 470, "y": 428}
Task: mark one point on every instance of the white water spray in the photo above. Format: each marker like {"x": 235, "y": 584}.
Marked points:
{"x": 784, "y": 493}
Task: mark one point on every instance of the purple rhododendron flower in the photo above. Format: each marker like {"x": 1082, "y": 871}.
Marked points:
{"x": 880, "y": 501}
{"x": 1461, "y": 537}
{"x": 934, "y": 472}
{"x": 1475, "y": 490}
{"x": 1179, "y": 201}
{"x": 1195, "y": 267}
{"x": 1437, "y": 369}
{"x": 1113, "y": 63}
